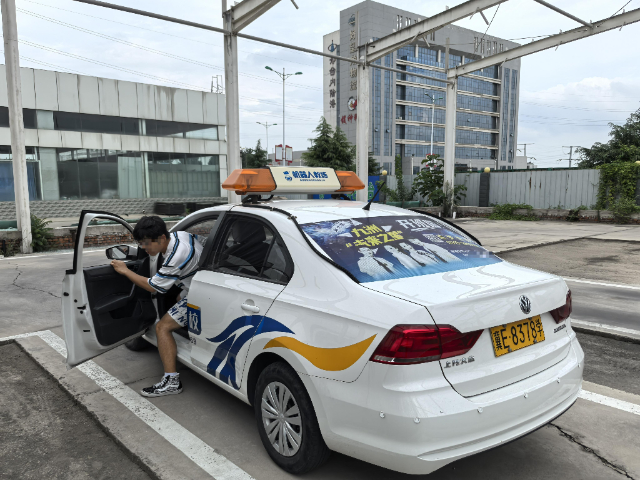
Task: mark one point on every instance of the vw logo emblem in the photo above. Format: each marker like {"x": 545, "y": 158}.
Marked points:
{"x": 525, "y": 304}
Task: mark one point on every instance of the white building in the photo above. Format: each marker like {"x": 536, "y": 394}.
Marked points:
{"x": 99, "y": 138}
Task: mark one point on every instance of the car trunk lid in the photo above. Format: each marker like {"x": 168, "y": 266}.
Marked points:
{"x": 481, "y": 298}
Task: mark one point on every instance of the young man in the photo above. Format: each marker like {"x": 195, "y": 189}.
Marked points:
{"x": 177, "y": 264}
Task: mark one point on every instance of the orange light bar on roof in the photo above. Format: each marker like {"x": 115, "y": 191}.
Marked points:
{"x": 349, "y": 181}
{"x": 249, "y": 180}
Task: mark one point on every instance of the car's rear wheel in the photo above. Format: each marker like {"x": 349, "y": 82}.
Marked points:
{"x": 137, "y": 344}
{"x": 287, "y": 421}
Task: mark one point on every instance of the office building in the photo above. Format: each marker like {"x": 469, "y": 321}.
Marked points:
{"x": 97, "y": 138}
{"x": 401, "y": 104}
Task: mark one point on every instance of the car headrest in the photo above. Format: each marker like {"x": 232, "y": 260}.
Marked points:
{"x": 244, "y": 231}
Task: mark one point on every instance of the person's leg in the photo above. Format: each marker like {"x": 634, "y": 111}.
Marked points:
{"x": 166, "y": 343}
{"x": 170, "y": 384}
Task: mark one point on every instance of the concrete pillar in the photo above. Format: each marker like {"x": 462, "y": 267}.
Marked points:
{"x": 16, "y": 120}
{"x": 233, "y": 99}
{"x": 363, "y": 128}
{"x": 450, "y": 134}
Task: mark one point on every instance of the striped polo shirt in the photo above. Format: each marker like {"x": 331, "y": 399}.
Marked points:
{"x": 179, "y": 265}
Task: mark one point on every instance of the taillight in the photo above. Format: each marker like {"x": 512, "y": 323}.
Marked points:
{"x": 410, "y": 344}
{"x": 560, "y": 314}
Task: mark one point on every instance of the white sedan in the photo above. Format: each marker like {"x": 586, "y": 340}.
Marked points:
{"x": 384, "y": 334}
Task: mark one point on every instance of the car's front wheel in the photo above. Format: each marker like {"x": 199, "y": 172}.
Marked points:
{"x": 287, "y": 421}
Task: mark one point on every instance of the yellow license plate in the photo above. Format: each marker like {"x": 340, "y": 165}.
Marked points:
{"x": 514, "y": 336}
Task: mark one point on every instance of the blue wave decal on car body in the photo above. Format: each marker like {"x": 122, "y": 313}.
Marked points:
{"x": 231, "y": 343}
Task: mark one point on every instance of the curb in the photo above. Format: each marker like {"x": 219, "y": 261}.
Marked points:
{"x": 605, "y": 331}
{"x": 162, "y": 462}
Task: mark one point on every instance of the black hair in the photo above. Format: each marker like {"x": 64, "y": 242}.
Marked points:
{"x": 150, "y": 227}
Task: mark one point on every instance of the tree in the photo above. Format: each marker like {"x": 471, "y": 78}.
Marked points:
{"x": 624, "y": 145}
{"x": 254, "y": 158}
{"x": 374, "y": 166}
{"x": 428, "y": 183}
{"x": 401, "y": 193}
{"x": 330, "y": 149}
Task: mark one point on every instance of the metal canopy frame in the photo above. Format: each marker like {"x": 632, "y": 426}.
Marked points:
{"x": 241, "y": 15}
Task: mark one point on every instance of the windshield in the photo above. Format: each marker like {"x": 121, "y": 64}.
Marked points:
{"x": 391, "y": 247}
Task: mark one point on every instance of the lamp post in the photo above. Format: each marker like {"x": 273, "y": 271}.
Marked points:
{"x": 433, "y": 105}
{"x": 267, "y": 125}
{"x": 284, "y": 77}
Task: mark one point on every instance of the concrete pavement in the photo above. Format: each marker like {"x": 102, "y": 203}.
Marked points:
{"x": 502, "y": 235}
{"x": 571, "y": 447}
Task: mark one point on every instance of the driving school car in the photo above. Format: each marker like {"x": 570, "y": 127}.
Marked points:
{"x": 384, "y": 334}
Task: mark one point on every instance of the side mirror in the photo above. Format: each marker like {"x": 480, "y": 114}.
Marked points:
{"x": 122, "y": 252}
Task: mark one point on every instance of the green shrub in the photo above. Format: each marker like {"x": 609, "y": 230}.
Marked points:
{"x": 506, "y": 212}
{"x": 574, "y": 214}
{"x": 623, "y": 208}
{"x": 40, "y": 234}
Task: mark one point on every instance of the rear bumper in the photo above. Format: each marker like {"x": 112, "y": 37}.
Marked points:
{"x": 416, "y": 427}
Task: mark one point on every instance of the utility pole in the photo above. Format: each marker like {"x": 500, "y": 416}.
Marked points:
{"x": 267, "y": 125}
{"x": 570, "y": 147}
{"x": 525, "y": 148}
{"x": 16, "y": 122}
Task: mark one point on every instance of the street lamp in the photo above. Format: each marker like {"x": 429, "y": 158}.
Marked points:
{"x": 267, "y": 125}
{"x": 433, "y": 104}
{"x": 284, "y": 77}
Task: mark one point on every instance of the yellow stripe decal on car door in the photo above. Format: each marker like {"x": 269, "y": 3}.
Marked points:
{"x": 330, "y": 359}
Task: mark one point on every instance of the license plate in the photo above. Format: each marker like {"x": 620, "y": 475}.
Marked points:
{"x": 514, "y": 336}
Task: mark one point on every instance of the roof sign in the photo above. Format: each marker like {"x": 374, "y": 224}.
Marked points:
{"x": 292, "y": 180}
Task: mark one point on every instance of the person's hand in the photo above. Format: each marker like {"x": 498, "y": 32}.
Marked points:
{"x": 119, "y": 266}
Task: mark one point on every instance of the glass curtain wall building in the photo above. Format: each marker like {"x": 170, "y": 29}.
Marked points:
{"x": 95, "y": 138}
{"x": 401, "y": 103}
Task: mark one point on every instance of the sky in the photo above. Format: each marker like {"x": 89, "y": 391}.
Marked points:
{"x": 567, "y": 96}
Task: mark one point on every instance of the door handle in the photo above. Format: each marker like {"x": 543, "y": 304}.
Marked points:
{"x": 250, "y": 308}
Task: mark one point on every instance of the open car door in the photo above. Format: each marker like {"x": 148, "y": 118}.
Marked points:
{"x": 102, "y": 309}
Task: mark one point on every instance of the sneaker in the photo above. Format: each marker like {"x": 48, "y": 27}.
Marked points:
{"x": 167, "y": 386}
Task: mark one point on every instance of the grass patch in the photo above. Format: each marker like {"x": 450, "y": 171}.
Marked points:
{"x": 506, "y": 212}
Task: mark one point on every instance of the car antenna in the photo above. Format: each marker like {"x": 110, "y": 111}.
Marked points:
{"x": 368, "y": 205}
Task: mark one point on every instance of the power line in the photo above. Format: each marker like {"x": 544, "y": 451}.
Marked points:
{"x": 137, "y": 27}
{"x": 149, "y": 49}
{"x": 135, "y": 72}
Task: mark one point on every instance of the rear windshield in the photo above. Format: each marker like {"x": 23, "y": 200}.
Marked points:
{"x": 390, "y": 247}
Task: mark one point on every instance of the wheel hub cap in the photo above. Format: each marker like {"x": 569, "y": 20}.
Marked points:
{"x": 281, "y": 419}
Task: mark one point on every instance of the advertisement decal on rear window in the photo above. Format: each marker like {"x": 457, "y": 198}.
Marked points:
{"x": 390, "y": 247}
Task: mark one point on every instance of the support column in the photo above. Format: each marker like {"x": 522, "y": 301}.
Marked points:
{"x": 233, "y": 99}
{"x": 450, "y": 133}
{"x": 363, "y": 128}
{"x": 18, "y": 151}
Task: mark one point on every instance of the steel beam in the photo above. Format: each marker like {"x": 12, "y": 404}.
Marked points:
{"x": 247, "y": 11}
{"x": 600, "y": 26}
{"x": 393, "y": 42}
{"x": 562, "y": 12}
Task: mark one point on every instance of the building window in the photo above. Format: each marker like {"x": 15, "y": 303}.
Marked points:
{"x": 477, "y": 103}
{"x": 7, "y": 191}
{"x": 82, "y": 122}
{"x": 377, "y": 109}
{"x": 387, "y": 106}
{"x": 107, "y": 174}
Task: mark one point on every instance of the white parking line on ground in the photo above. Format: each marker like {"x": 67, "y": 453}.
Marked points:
{"x": 198, "y": 451}
{"x": 610, "y": 402}
{"x": 603, "y": 284}
{"x": 584, "y": 323}
{"x": 202, "y": 454}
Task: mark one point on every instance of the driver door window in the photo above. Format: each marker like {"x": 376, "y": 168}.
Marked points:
{"x": 250, "y": 248}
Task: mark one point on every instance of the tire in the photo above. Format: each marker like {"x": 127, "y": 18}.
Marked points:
{"x": 312, "y": 451}
{"x": 137, "y": 344}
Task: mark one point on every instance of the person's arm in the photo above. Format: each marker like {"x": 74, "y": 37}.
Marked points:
{"x": 140, "y": 281}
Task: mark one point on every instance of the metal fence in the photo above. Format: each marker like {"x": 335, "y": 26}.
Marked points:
{"x": 538, "y": 188}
